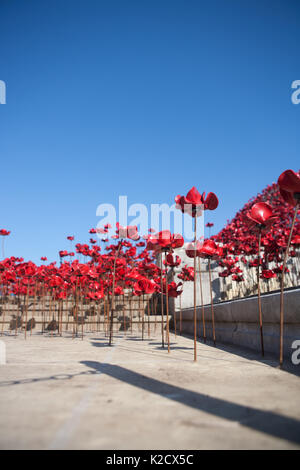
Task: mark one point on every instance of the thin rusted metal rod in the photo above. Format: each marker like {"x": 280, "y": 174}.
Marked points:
{"x": 212, "y": 304}
{"x": 195, "y": 290}
{"x": 259, "y": 297}
{"x": 282, "y": 286}
{"x": 202, "y": 303}
{"x": 162, "y": 302}
{"x": 167, "y": 305}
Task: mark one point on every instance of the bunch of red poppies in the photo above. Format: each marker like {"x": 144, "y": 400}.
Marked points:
{"x": 266, "y": 230}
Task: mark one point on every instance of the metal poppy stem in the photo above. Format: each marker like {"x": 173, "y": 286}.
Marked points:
{"x": 212, "y": 304}
{"x": 155, "y": 311}
{"x": 175, "y": 316}
{"x": 167, "y": 305}
{"x": 202, "y": 304}
{"x": 282, "y": 285}
{"x": 259, "y": 297}
{"x": 148, "y": 311}
{"x": 3, "y": 310}
{"x": 180, "y": 317}
{"x": 130, "y": 309}
{"x": 195, "y": 291}
{"x": 113, "y": 296}
{"x": 26, "y": 310}
{"x": 34, "y": 306}
{"x": 162, "y": 302}
{"x": 81, "y": 316}
{"x": 124, "y": 306}
{"x": 143, "y": 320}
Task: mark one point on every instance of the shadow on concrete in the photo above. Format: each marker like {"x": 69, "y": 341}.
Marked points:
{"x": 178, "y": 347}
{"x": 137, "y": 339}
{"x": 159, "y": 343}
{"x": 103, "y": 340}
{"x": 8, "y": 383}
{"x": 268, "y": 360}
{"x": 268, "y": 422}
{"x": 100, "y": 345}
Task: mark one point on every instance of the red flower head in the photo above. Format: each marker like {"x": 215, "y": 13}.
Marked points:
{"x": 210, "y": 249}
{"x": 296, "y": 240}
{"x": 127, "y": 232}
{"x": 172, "y": 261}
{"x": 194, "y": 202}
{"x": 187, "y": 273}
{"x": 192, "y": 251}
{"x": 289, "y": 184}
{"x": 4, "y": 232}
{"x": 261, "y": 216}
{"x": 267, "y": 274}
{"x": 164, "y": 241}
{"x": 144, "y": 286}
{"x": 177, "y": 241}
{"x": 70, "y": 238}
{"x": 63, "y": 253}
{"x": 173, "y": 289}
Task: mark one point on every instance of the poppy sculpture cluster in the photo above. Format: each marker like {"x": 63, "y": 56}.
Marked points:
{"x": 141, "y": 269}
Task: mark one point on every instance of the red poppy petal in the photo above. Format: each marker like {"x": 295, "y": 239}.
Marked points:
{"x": 289, "y": 181}
{"x": 211, "y": 201}
{"x": 288, "y": 197}
{"x": 193, "y": 196}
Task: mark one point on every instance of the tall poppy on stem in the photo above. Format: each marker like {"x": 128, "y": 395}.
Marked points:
{"x": 187, "y": 274}
{"x": 193, "y": 204}
{"x": 289, "y": 184}
{"x": 113, "y": 293}
{"x": 210, "y": 250}
{"x": 260, "y": 219}
{"x": 201, "y": 297}
{"x": 172, "y": 263}
{"x": 122, "y": 232}
{"x": 153, "y": 244}
{"x": 164, "y": 242}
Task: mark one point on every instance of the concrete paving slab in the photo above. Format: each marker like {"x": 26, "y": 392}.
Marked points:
{"x": 59, "y": 393}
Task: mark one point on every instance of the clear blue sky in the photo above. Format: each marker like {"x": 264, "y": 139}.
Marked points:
{"x": 144, "y": 98}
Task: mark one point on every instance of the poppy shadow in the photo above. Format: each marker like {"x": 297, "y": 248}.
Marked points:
{"x": 98, "y": 339}
{"x": 137, "y": 339}
{"x": 100, "y": 345}
{"x": 157, "y": 344}
{"x": 268, "y": 422}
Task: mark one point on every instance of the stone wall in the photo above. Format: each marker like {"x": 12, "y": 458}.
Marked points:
{"x": 236, "y": 322}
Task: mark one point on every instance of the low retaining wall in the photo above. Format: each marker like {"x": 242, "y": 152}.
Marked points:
{"x": 236, "y": 322}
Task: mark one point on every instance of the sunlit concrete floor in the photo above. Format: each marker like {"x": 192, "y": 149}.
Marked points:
{"x": 63, "y": 393}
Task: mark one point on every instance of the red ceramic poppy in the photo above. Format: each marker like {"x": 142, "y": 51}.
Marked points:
{"x": 289, "y": 183}
{"x": 192, "y": 250}
{"x": 261, "y": 216}
{"x": 296, "y": 240}
{"x": 210, "y": 249}
{"x": 194, "y": 202}
{"x": 127, "y": 232}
